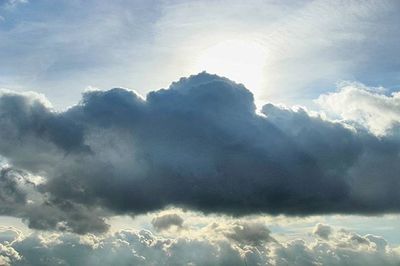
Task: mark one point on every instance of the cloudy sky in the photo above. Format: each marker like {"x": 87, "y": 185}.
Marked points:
{"x": 199, "y": 132}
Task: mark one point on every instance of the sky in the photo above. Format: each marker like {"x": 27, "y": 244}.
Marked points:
{"x": 199, "y": 132}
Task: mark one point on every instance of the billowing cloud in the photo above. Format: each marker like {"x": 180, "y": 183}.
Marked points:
{"x": 322, "y": 230}
{"x": 373, "y": 109}
{"x": 251, "y": 233}
{"x": 166, "y": 221}
{"x": 199, "y": 145}
{"x": 21, "y": 197}
{"x": 142, "y": 247}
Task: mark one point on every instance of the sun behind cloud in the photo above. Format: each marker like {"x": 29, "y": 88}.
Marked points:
{"x": 241, "y": 60}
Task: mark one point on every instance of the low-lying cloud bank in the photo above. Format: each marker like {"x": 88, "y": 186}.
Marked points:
{"x": 199, "y": 145}
{"x": 245, "y": 243}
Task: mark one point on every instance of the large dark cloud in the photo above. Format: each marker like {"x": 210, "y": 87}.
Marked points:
{"x": 199, "y": 145}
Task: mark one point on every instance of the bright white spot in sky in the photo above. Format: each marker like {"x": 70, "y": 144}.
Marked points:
{"x": 240, "y": 60}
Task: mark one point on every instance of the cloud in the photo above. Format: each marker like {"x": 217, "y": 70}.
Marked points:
{"x": 10, "y": 4}
{"x": 198, "y": 145}
{"x": 10, "y": 194}
{"x": 336, "y": 247}
{"x": 250, "y": 233}
{"x": 20, "y": 196}
{"x": 322, "y": 230}
{"x": 211, "y": 248}
{"x": 164, "y": 222}
{"x": 57, "y": 48}
{"x": 369, "y": 108}
{"x": 43, "y": 49}
{"x": 291, "y": 34}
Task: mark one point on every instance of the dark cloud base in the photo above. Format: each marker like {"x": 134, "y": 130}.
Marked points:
{"x": 199, "y": 145}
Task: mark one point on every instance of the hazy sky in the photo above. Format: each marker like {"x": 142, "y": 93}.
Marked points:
{"x": 286, "y": 151}
{"x": 286, "y": 51}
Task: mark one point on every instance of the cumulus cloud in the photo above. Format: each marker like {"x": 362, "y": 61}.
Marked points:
{"x": 10, "y": 193}
{"x": 322, "y": 230}
{"x": 199, "y": 145}
{"x": 367, "y": 107}
{"x": 131, "y": 247}
{"x": 166, "y": 221}
{"x": 20, "y": 196}
{"x": 251, "y": 233}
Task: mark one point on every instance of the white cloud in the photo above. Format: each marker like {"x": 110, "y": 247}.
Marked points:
{"x": 212, "y": 247}
{"x": 368, "y": 107}
{"x": 10, "y": 4}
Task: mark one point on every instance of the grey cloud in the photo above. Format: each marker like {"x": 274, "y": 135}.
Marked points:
{"x": 322, "y": 230}
{"x": 380, "y": 243}
{"x": 10, "y": 193}
{"x": 64, "y": 216}
{"x": 166, "y": 221}
{"x": 21, "y": 197}
{"x": 198, "y": 145}
{"x": 250, "y": 233}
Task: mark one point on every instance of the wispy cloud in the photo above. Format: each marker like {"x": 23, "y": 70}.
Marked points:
{"x": 59, "y": 49}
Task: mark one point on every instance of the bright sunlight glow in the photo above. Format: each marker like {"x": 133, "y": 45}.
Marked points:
{"x": 242, "y": 61}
